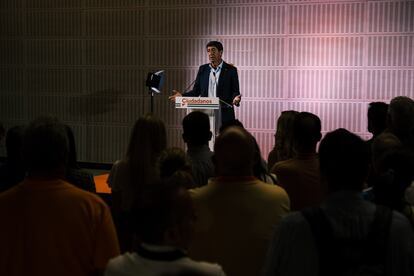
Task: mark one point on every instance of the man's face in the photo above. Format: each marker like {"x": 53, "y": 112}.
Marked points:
{"x": 214, "y": 55}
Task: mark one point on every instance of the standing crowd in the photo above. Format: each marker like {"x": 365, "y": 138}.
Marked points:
{"x": 345, "y": 207}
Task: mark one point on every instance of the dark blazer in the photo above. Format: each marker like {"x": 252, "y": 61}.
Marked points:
{"x": 227, "y": 88}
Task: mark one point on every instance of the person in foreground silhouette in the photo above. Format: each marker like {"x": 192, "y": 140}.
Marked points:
{"x": 346, "y": 235}
{"x": 50, "y": 227}
{"x": 163, "y": 221}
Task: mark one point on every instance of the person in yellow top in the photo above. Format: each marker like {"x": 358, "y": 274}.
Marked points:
{"x": 50, "y": 227}
{"x": 236, "y": 212}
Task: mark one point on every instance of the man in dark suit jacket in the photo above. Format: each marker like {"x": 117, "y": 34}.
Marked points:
{"x": 216, "y": 79}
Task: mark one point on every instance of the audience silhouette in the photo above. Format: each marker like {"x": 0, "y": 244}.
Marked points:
{"x": 216, "y": 206}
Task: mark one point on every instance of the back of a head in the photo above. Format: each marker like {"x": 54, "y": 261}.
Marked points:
{"x": 230, "y": 123}
{"x": 377, "y": 117}
{"x": 45, "y": 145}
{"x": 234, "y": 152}
{"x": 172, "y": 160}
{"x": 148, "y": 140}
{"x": 284, "y": 135}
{"x": 401, "y": 116}
{"x": 344, "y": 160}
{"x": 148, "y": 134}
{"x": 72, "y": 158}
{"x": 163, "y": 205}
{"x": 395, "y": 173}
{"x": 14, "y": 144}
{"x": 306, "y": 131}
{"x": 382, "y": 144}
{"x": 196, "y": 129}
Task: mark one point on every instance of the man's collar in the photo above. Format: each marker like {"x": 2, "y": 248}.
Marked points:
{"x": 218, "y": 68}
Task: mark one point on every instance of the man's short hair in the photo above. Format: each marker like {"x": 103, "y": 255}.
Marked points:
{"x": 196, "y": 128}
{"x": 45, "y": 145}
{"x": 344, "y": 160}
{"x": 377, "y": 117}
{"x": 306, "y": 129}
{"x": 234, "y": 151}
{"x": 172, "y": 160}
{"x": 216, "y": 44}
{"x": 401, "y": 115}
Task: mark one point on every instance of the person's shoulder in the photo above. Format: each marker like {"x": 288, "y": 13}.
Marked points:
{"x": 201, "y": 268}
{"x": 204, "y": 67}
{"x": 121, "y": 264}
{"x": 229, "y": 66}
{"x": 199, "y": 191}
{"x": 85, "y": 197}
{"x": 284, "y": 166}
{"x": 272, "y": 189}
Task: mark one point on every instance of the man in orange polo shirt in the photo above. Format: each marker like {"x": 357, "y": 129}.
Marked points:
{"x": 50, "y": 227}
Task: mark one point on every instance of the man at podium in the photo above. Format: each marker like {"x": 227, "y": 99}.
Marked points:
{"x": 216, "y": 79}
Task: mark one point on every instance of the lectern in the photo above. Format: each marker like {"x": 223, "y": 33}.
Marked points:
{"x": 208, "y": 105}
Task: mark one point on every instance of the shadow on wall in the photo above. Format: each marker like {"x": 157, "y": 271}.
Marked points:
{"x": 97, "y": 104}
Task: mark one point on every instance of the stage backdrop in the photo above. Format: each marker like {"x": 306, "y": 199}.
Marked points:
{"x": 86, "y": 61}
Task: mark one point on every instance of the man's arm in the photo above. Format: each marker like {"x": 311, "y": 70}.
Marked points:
{"x": 236, "y": 96}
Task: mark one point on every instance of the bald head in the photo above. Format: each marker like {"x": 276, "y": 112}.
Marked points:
{"x": 234, "y": 152}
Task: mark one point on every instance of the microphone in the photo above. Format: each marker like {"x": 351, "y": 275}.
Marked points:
{"x": 226, "y": 103}
{"x": 186, "y": 89}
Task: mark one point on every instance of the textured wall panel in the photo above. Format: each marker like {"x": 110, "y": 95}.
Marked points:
{"x": 120, "y": 82}
{"x": 250, "y": 20}
{"x": 64, "y": 52}
{"x": 326, "y": 18}
{"x": 177, "y": 52}
{"x": 52, "y": 4}
{"x": 325, "y": 84}
{"x": 391, "y": 16}
{"x": 172, "y": 22}
{"x": 10, "y": 25}
{"x": 326, "y": 51}
{"x": 107, "y": 142}
{"x": 12, "y": 107}
{"x": 11, "y": 51}
{"x": 385, "y": 84}
{"x": 391, "y": 50}
{"x": 261, "y": 83}
{"x": 254, "y": 51}
{"x": 55, "y": 23}
{"x": 86, "y": 61}
{"x": 114, "y": 52}
{"x": 114, "y": 23}
{"x": 54, "y": 81}
{"x": 169, "y": 3}
{"x": 11, "y": 80}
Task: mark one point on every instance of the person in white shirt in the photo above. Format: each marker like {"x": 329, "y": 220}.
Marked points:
{"x": 163, "y": 220}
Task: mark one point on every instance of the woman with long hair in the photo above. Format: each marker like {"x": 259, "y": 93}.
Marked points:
{"x": 283, "y": 148}
{"x": 138, "y": 167}
{"x": 137, "y": 170}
